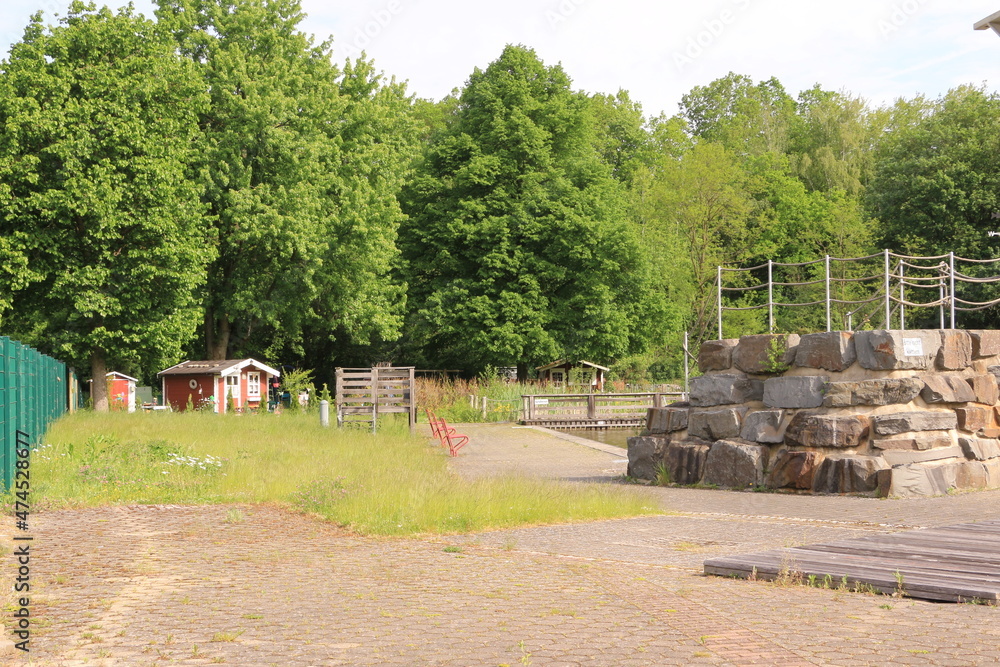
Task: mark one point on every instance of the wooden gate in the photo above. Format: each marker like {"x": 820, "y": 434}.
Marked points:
{"x": 365, "y": 393}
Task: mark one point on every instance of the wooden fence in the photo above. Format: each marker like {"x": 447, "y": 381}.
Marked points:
{"x": 590, "y": 410}
{"x": 365, "y": 393}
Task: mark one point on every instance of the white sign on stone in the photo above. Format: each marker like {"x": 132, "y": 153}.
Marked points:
{"x": 913, "y": 347}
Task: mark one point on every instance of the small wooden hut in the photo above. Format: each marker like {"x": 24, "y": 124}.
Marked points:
{"x": 573, "y": 375}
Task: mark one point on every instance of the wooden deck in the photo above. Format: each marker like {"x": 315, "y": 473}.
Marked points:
{"x": 601, "y": 410}
{"x": 958, "y": 563}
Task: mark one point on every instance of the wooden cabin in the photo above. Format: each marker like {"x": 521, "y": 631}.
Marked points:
{"x": 121, "y": 391}
{"x": 209, "y": 384}
{"x": 574, "y": 375}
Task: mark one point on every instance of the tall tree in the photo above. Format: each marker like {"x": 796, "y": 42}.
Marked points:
{"x": 300, "y": 166}
{"x": 517, "y": 248}
{"x": 100, "y": 119}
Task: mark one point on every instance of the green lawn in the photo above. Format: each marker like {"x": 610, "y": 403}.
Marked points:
{"x": 391, "y": 483}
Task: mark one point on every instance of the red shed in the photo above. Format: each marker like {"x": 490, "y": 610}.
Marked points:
{"x": 211, "y": 382}
{"x": 121, "y": 391}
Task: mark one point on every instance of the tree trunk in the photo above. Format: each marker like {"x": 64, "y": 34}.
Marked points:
{"x": 216, "y": 336}
{"x": 99, "y": 383}
{"x": 522, "y": 372}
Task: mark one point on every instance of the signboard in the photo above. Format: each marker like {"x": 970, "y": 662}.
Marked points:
{"x": 541, "y": 401}
{"x": 913, "y": 347}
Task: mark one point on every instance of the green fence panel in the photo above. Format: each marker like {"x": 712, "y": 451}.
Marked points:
{"x": 34, "y": 391}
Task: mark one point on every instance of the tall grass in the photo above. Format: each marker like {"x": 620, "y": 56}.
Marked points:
{"x": 391, "y": 483}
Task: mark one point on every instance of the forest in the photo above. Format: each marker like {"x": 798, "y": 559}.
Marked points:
{"x": 208, "y": 183}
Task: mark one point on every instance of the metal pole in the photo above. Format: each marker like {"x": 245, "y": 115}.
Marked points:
{"x": 902, "y": 298}
{"x": 718, "y": 282}
{"x": 888, "y": 296}
{"x": 686, "y": 371}
{"x": 951, "y": 269}
{"x": 829, "y": 326}
{"x": 941, "y": 293}
{"x": 770, "y": 297}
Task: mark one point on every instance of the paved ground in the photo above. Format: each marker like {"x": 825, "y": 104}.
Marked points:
{"x": 188, "y": 585}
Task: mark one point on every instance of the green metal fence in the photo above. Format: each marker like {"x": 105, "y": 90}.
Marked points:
{"x": 33, "y": 392}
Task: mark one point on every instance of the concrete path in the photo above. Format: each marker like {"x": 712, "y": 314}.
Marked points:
{"x": 188, "y": 585}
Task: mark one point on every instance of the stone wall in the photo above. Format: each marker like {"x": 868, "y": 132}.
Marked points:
{"x": 890, "y": 413}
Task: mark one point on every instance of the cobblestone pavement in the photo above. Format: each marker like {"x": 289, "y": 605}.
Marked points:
{"x": 188, "y": 585}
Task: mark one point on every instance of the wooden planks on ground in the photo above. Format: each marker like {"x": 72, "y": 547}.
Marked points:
{"x": 957, "y": 563}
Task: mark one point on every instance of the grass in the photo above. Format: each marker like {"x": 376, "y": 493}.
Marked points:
{"x": 391, "y": 483}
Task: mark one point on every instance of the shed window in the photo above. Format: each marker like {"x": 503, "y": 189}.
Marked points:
{"x": 253, "y": 385}
{"x": 232, "y": 385}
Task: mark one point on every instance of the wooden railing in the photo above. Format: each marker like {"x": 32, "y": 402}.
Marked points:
{"x": 594, "y": 407}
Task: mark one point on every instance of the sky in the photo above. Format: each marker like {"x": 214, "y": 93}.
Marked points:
{"x": 880, "y": 50}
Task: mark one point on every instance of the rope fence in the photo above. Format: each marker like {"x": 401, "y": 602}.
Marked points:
{"x": 904, "y": 282}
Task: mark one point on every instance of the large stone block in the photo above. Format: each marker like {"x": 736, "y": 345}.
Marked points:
{"x": 765, "y": 426}
{"x": 848, "y": 474}
{"x": 979, "y": 449}
{"x": 685, "y": 461}
{"x": 793, "y": 470}
{"x": 974, "y": 418}
{"x": 724, "y": 389}
{"x": 970, "y": 475}
{"x": 884, "y": 391}
{"x": 985, "y": 388}
{"x": 906, "y": 422}
{"x": 913, "y": 443}
{"x": 815, "y": 429}
{"x": 666, "y": 420}
{"x": 946, "y": 389}
{"x": 917, "y": 480}
{"x": 766, "y": 353}
{"x": 735, "y": 465}
{"x": 716, "y": 355}
{"x": 896, "y": 457}
{"x": 956, "y": 350}
{"x": 883, "y": 350}
{"x": 645, "y": 455}
{"x": 714, "y": 425}
{"x": 985, "y": 343}
{"x": 794, "y": 392}
{"x": 831, "y": 350}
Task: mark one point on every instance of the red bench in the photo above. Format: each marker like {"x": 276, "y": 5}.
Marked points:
{"x": 448, "y": 436}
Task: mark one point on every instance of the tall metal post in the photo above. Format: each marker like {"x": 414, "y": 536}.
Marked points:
{"x": 951, "y": 273}
{"x": 888, "y": 296}
{"x": 828, "y": 319}
{"x": 902, "y": 298}
{"x": 941, "y": 293}
{"x": 686, "y": 372}
{"x": 718, "y": 281}
{"x": 770, "y": 297}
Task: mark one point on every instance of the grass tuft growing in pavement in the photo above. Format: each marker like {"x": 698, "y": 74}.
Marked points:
{"x": 391, "y": 483}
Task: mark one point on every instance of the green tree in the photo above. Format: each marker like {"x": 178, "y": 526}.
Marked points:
{"x": 301, "y": 163}
{"x": 517, "y": 248}
{"x": 100, "y": 117}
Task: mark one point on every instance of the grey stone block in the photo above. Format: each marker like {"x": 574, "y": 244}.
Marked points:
{"x": 793, "y": 470}
{"x": 735, "y": 465}
{"x": 765, "y": 426}
{"x": 979, "y": 449}
{"x": 645, "y": 455}
{"x": 724, "y": 389}
{"x": 716, "y": 355}
{"x": 794, "y": 392}
{"x": 766, "y": 353}
{"x": 849, "y": 474}
{"x": 916, "y": 480}
{"x": 946, "y": 389}
{"x": 917, "y": 443}
{"x": 906, "y": 422}
{"x": 831, "y": 350}
{"x": 714, "y": 425}
{"x": 985, "y": 388}
{"x": 666, "y": 420}
{"x": 686, "y": 461}
{"x": 896, "y": 457}
{"x": 974, "y": 418}
{"x": 884, "y": 391}
{"x": 883, "y": 350}
{"x": 815, "y": 429}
